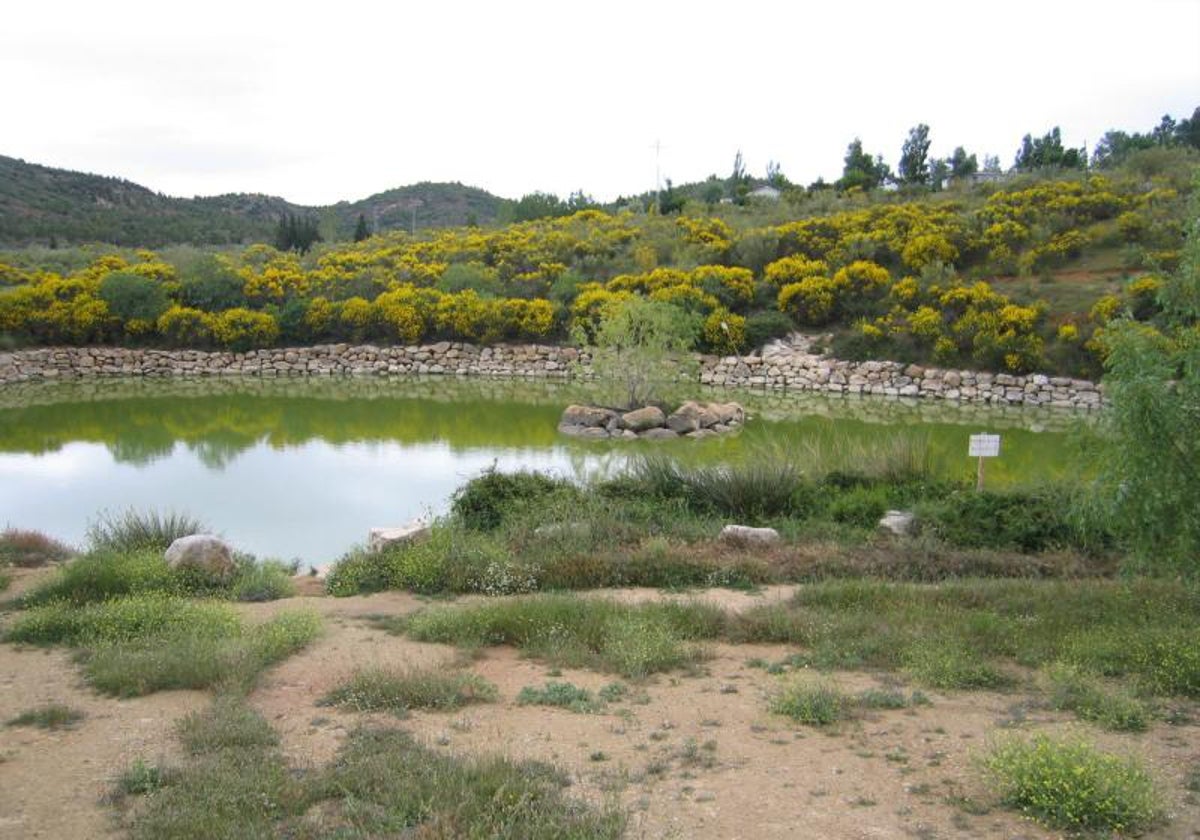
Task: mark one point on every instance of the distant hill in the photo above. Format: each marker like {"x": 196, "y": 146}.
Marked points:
{"x": 40, "y": 204}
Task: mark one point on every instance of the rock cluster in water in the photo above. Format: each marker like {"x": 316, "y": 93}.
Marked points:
{"x": 692, "y": 419}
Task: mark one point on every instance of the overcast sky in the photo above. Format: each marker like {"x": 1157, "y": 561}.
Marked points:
{"x": 331, "y": 101}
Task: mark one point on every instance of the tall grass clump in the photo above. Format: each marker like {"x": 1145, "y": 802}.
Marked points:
{"x": 30, "y": 549}
{"x": 120, "y": 620}
{"x": 757, "y": 489}
{"x": 132, "y": 530}
{"x": 1068, "y": 784}
{"x": 632, "y": 640}
{"x": 398, "y": 692}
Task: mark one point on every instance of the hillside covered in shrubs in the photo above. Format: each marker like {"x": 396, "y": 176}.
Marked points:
{"x": 1017, "y": 273}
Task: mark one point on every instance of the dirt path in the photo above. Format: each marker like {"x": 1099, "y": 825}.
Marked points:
{"x": 690, "y": 756}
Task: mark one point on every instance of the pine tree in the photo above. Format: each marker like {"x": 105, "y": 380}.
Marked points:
{"x": 361, "y": 231}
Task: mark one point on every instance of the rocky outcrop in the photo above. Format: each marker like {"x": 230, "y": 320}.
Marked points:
{"x": 381, "y": 539}
{"x": 787, "y": 366}
{"x": 205, "y": 553}
{"x": 744, "y": 535}
{"x": 898, "y": 523}
{"x": 692, "y": 419}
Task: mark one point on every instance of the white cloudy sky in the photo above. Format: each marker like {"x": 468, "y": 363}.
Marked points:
{"x": 329, "y": 101}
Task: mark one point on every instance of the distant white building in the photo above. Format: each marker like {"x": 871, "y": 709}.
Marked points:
{"x": 766, "y": 191}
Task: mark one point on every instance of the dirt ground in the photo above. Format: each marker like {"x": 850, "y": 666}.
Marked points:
{"x": 689, "y": 756}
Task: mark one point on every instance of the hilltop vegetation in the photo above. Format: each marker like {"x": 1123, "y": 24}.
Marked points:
{"x": 57, "y": 207}
{"x": 1019, "y": 271}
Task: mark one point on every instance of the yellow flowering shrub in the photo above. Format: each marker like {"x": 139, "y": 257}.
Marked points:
{"x": 244, "y": 329}
{"x": 724, "y": 332}
{"x": 811, "y": 301}
{"x": 183, "y": 326}
{"x": 793, "y": 269}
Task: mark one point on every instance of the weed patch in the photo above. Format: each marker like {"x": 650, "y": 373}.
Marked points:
{"x": 563, "y": 695}
{"x": 30, "y": 549}
{"x": 811, "y": 703}
{"x": 133, "y": 530}
{"x": 1069, "y": 784}
{"x": 1072, "y": 690}
{"x": 380, "y": 689}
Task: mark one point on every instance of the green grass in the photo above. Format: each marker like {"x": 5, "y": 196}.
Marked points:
{"x": 103, "y": 574}
{"x": 190, "y": 660}
{"x": 121, "y": 620}
{"x": 236, "y": 783}
{"x": 398, "y": 692}
{"x": 962, "y": 634}
{"x": 144, "y": 643}
{"x": 1090, "y": 699}
{"x": 134, "y": 530}
{"x": 50, "y": 716}
{"x": 563, "y": 695}
{"x": 631, "y": 640}
{"x": 1069, "y": 784}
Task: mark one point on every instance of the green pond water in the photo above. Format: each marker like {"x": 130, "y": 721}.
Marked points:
{"x": 303, "y": 468}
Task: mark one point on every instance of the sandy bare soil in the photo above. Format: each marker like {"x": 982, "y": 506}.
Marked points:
{"x": 689, "y": 756}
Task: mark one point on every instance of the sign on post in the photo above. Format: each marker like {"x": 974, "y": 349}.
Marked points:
{"x": 983, "y": 446}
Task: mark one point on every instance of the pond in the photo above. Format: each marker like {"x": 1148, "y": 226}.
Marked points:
{"x": 302, "y": 468}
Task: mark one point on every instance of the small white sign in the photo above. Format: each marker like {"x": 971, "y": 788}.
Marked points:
{"x": 984, "y": 446}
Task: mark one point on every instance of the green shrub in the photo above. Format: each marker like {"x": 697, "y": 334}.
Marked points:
{"x": 563, "y": 695}
{"x": 484, "y": 502}
{"x": 862, "y": 506}
{"x": 1069, "y": 784}
{"x": 381, "y": 689}
{"x": 132, "y": 297}
{"x": 142, "y": 778}
{"x": 815, "y": 704}
{"x": 762, "y": 327}
{"x": 133, "y": 530}
{"x": 1027, "y": 521}
{"x": 762, "y": 487}
{"x": 356, "y": 573}
{"x": 30, "y": 549}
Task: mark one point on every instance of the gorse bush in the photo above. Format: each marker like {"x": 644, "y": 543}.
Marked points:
{"x": 133, "y": 530}
{"x": 1069, "y": 784}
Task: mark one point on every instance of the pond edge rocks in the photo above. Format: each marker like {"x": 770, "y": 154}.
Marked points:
{"x": 692, "y": 419}
{"x": 790, "y": 365}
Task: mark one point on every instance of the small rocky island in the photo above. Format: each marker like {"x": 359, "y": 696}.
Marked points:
{"x": 692, "y": 419}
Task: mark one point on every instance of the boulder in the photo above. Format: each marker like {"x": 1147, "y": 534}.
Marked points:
{"x": 586, "y": 416}
{"x": 745, "y": 535}
{"x": 692, "y": 416}
{"x": 379, "y": 539}
{"x": 658, "y": 434}
{"x": 641, "y": 419}
{"x": 682, "y": 423}
{"x": 899, "y": 523}
{"x": 728, "y": 413}
{"x": 584, "y": 431}
{"x": 204, "y": 552}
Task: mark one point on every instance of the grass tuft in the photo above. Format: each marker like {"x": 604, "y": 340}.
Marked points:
{"x": 51, "y": 716}
{"x": 134, "y": 530}
{"x": 1069, "y": 784}
{"x": 381, "y": 689}
{"x": 563, "y": 695}
{"x": 812, "y": 703}
{"x": 1085, "y": 695}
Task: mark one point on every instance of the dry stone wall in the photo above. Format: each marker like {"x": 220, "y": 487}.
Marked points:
{"x": 784, "y": 366}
